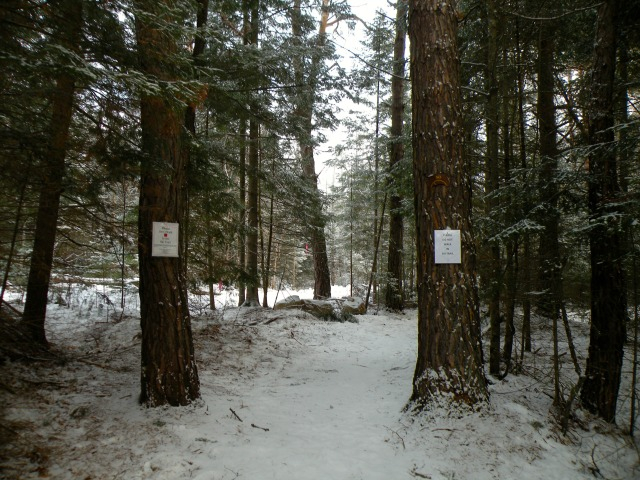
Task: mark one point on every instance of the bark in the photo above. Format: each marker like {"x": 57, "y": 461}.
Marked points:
{"x": 253, "y": 170}
{"x": 511, "y": 286}
{"x": 394, "y": 290}
{"x": 608, "y": 300}
{"x": 190, "y": 118}
{"x": 266, "y": 267}
{"x": 252, "y": 299}
{"x": 491, "y": 185}
{"x": 242, "y": 179}
{"x": 376, "y": 249}
{"x": 512, "y": 243}
{"x": 304, "y": 112}
{"x": 52, "y": 171}
{"x": 525, "y": 344}
{"x": 169, "y": 374}
{"x": 449, "y": 359}
{"x": 549, "y": 251}
{"x": 14, "y": 237}
{"x": 242, "y": 175}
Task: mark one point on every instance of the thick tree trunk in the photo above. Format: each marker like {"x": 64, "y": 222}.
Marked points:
{"x": 394, "y": 291}
{"x": 608, "y": 298}
{"x": 168, "y": 374}
{"x": 449, "y": 362}
{"x": 52, "y": 171}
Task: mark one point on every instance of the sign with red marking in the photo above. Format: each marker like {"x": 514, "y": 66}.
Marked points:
{"x": 165, "y": 240}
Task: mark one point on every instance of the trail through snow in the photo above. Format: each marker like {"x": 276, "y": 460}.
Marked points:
{"x": 286, "y": 396}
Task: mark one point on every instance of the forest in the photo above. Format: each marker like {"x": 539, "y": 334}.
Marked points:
{"x": 283, "y": 145}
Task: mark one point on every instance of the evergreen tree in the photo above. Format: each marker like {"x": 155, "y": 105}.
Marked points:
{"x": 608, "y": 291}
{"x": 169, "y": 372}
{"x": 449, "y": 346}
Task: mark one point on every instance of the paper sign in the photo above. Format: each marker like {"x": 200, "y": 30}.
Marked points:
{"x": 447, "y": 246}
{"x": 165, "y": 240}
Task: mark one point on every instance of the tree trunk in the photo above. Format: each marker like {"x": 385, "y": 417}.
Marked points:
{"x": 512, "y": 243}
{"x": 491, "y": 185}
{"x": 252, "y": 299}
{"x": 14, "y": 236}
{"x": 242, "y": 175}
{"x": 242, "y": 235}
{"x": 304, "y": 107}
{"x": 608, "y": 299}
{"x": 526, "y": 253}
{"x": 394, "y": 291}
{"x": 549, "y": 252}
{"x": 68, "y": 30}
{"x": 169, "y": 374}
{"x": 253, "y": 197}
{"x": 266, "y": 267}
{"x": 199, "y": 44}
{"x": 449, "y": 359}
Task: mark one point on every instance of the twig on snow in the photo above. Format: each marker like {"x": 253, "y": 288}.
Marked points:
{"x": 398, "y": 435}
{"x": 416, "y": 473}
{"x": 595, "y": 470}
{"x": 261, "y": 428}
{"x": 235, "y": 414}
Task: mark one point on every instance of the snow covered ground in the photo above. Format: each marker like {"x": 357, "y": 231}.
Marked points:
{"x": 287, "y": 396}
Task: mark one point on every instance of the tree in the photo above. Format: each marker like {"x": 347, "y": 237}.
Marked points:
{"x": 608, "y": 295}
{"x": 253, "y": 194}
{"x": 307, "y": 81}
{"x": 492, "y": 182}
{"x": 394, "y": 290}
{"x": 549, "y": 251}
{"x": 449, "y": 347}
{"x": 67, "y": 25}
{"x": 169, "y": 374}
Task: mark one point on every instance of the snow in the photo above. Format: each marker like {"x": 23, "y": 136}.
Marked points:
{"x": 287, "y": 396}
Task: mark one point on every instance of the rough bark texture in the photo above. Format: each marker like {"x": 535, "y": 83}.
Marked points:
{"x": 52, "y": 170}
{"x": 394, "y": 291}
{"x": 449, "y": 360}
{"x": 168, "y": 374}
{"x": 608, "y": 299}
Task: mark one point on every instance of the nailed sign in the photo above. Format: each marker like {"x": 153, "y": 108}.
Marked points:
{"x": 447, "y": 246}
{"x": 165, "y": 240}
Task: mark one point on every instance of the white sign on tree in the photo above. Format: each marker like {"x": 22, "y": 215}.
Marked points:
{"x": 447, "y": 246}
{"x": 165, "y": 240}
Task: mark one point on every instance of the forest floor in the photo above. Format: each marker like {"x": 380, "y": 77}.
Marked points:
{"x": 287, "y": 396}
